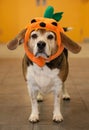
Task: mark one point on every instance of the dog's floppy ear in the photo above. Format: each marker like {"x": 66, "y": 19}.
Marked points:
{"x": 17, "y": 40}
{"x": 69, "y": 44}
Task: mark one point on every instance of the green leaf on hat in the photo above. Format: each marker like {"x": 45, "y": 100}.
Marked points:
{"x": 49, "y": 12}
{"x": 57, "y": 16}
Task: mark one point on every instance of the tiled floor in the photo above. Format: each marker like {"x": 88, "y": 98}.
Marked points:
{"x": 15, "y": 105}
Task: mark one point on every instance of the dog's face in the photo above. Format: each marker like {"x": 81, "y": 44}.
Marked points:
{"x": 42, "y": 43}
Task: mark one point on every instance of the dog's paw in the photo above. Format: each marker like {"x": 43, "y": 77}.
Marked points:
{"x": 57, "y": 118}
{"x": 40, "y": 98}
{"x": 66, "y": 96}
{"x": 34, "y": 118}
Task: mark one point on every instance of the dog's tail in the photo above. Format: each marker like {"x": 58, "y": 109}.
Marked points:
{"x": 66, "y": 29}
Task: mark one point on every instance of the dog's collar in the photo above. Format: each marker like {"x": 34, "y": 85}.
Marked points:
{"x": 49, "y": 25}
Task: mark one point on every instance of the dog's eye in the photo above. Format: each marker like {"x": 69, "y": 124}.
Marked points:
{"x": 50, "y": 37}
{"x": 34, "y": 36}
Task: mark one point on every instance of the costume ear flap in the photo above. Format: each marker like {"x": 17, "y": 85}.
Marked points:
{"x": 13, "y": 44}
{"x": 69, "y": 44}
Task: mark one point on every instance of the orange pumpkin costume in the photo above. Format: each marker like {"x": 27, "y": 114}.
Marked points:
{"x": 48, "y": 24}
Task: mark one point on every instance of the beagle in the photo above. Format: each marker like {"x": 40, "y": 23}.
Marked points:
{"x": 51, "y": 76}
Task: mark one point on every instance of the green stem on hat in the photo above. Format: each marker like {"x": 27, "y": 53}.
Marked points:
{"x": 49, "y": 13}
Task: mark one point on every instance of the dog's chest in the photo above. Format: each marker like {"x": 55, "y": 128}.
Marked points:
{"x": 44, "y": 78}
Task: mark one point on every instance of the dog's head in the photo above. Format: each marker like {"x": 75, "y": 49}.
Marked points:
{"x": 42, "y": 43}
{"x": 44, "y": 40}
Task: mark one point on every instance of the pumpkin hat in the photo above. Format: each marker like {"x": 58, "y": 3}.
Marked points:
{"x": 50, "y": 23}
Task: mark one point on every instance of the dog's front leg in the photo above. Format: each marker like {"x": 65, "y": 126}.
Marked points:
{"x": 34, "y": 117}
{"x": 57, "y": 116}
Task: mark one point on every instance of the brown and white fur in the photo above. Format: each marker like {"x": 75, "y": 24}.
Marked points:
{"x": 50, "y": 77}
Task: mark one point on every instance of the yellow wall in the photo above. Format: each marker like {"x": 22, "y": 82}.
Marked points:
{"x": 15, "y": 14}
{"x": 85, "y": 12}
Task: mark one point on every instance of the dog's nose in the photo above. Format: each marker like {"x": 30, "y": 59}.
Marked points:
{"x": 41, "y": 45}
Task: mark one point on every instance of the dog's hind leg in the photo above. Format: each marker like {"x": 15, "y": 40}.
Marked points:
{"x": 65, "y": 95}
{"x": 39, "y": 97}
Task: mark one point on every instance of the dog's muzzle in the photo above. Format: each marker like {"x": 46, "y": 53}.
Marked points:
{"x": 41, "y": 45}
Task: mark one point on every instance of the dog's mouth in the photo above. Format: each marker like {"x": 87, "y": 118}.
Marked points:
{"x": 41, "y": 54}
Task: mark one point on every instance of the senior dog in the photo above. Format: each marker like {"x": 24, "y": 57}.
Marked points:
{"x": 42, "y": 44}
